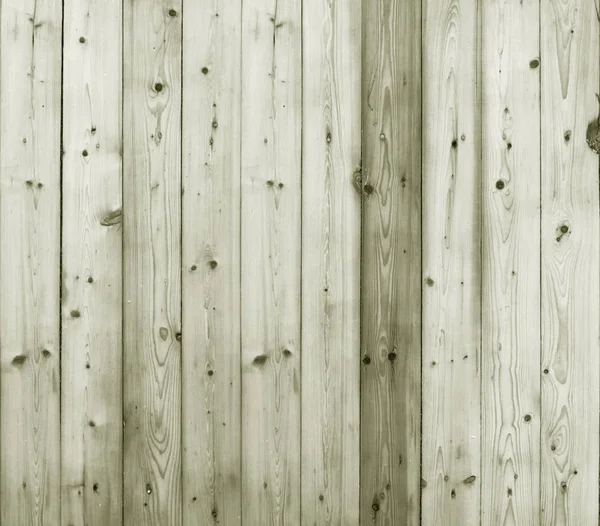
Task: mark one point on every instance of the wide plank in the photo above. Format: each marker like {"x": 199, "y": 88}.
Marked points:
{"x": 391, "y": 263}
{"x": 211, "y": 262}
{"x": 92, "y": 421}
{"x": 30, "y": 112}
{"x": 451, "y": 264}
{"x": 570, "y": 47}
{"x": 331, "y": 207}
{"x": 270, "y": 270}
{"x": 510, "y": 355}
{"x": 152, "y": 262}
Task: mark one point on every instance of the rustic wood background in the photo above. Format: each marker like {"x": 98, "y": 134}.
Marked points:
{"x": 284, "y": 262}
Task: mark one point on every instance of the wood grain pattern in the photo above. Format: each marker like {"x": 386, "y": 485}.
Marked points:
{"x": 30, "y": 109}
{"x": 330, "y": 262}
{"x": 391, "y": 263}
{"x": 92, "y": 422}
{"x": 271, "y": 242}
{"x": 451, "y": 264}
{"x": 152, "y": 262}
{"x": 510, "y": 264}
{"x": 570, "y": 47}
{"x": 211, "y": 259}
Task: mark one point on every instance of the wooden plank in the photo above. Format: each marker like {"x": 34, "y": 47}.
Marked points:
{"x": 510, "y": 364}
{"x": 271, "y": 265}
{"x": 152, "y": 262}
{"x": 451, "y": 264}
{"x": 330, "y": 262}
{"x": 391, "y": 263}
{"x": 570, "y": 45}
{"x": 30, "y": 109}
{"x": 92, "y": 422}
{"x": 211, "y": 263}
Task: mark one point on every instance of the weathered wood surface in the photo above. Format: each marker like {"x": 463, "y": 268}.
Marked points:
{"x": 570, "y": 50}
{"x": 271, "y": 244}
{"x": 451, "y": 278}
{"x": 30, "y": 113}
{"x": 331, "y": 207}
{"x": 391, "y": 263}
{"x": 211, "y": 262}
{"x": 151, "y": 262}
{"x": 510, "y": 354}
{"x": 92, "y": 422}
{"x": 308, "y": 262}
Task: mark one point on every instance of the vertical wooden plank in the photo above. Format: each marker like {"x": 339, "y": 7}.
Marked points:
{"x": 211, "y": 259}
{"x": 391, "y": 263}
{"x": 570, "y": 45}
{"x": 92, "y": 421}
{"x": 510, "y": 263}
{"x": 330, "y": 262}
{"x": 30, "y": 112}
{"x": 152, "y": 262}
{"x": 451, "y": 264}
{"x": 270, "y": 269}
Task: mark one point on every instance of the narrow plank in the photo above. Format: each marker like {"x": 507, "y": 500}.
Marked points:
{"x": 391, "y": 263}
{"x": 211, "y": 262}
{"x": 270, "y": 268}
{"x": 30, "y": 110}
{"x": 451, "y": 264}
{"x": 570, "y": 46}
{"x": 330, "y": 263}
{"x": 152, "y": 262}
{"x": 92, "y": 422}
{"x": 510, "y": 365}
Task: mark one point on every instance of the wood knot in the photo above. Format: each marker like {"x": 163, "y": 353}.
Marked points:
{"x": 469, "y": 480}
{"x": 214, "y": 513}
{"x": 321, "y": 498}
{"x": 392, "y": 356}
{"x": 261, "y": 359}
{"x": 193, "y": 267}
{"x": 568, "y": 135}
{"x": 212, "y": 264}
{"x": 500, "y": 184}
{"x": 95, "y": 487}
{"x": 454, "y": 143}
{"x": 172, "y": 12}
{"x": 369, "y": 189}
{"x": 453, "y": 494}
{"x": 19, "y": 359}
{"x": 423, "y": 483}
{"x": 210, "y": 372}
{"x": 366, "y": 360}
{"x": 75, "y": 314}
{"x": 429, "y": 282}
{"x": 112, "y": 218}
{"x": 158, "y": 87}
{"x": 204, "y": 70}
{"x": 287, "y": 352}
{"x": 148, "y": 489}
{"x": 82, "y": 40}
{"x": 534, "y": 63}
{"x": 178, "y": 336}
{"x": 527, "y": 418}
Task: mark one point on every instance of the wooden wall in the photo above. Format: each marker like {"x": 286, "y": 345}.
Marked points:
{"x": 283, "y": 262}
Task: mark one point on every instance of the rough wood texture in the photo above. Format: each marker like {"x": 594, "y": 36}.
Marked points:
{"x": 271, "y": 242}
{"x": 510, "y": 455}
{"x": 30, "y": 108}
{"x": 391, "y": 263}
{"x": 570, "y": 48}
{"x": 92, "y": 421}
{"x": 330, "y": 263}
{"x": 211, "y": 263}
{"x": 151, "y": 285}
{"x": 451, "y": 264}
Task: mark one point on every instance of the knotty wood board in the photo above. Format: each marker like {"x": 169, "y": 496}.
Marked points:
{"x": 30, "y": 110}
{"x": 152, "y": 270}
{"x": 510, "y": 364}
{"x": 271, "y": 265}
{"x": 391, "y": 263}
{"x": 451, "y": 264}
{"x": 570, "y": 47}
{"x": 92, "y": 422}
{"x": 211, "y": 262}
{"x": 331, "y": 207}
